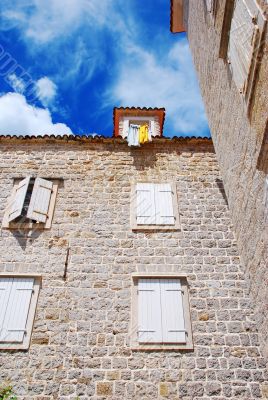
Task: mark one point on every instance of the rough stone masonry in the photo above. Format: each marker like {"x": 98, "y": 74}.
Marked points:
{"x": 80, "y": 341}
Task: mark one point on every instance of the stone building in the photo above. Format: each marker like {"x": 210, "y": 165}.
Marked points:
{"x": 80, "y": 270}
{"x": 229, "y": 44}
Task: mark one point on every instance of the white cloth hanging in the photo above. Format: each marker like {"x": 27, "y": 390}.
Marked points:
{"x": 133, "y": 135}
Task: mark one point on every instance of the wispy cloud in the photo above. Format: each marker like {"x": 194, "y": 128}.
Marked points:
{"x": 147, "y": 80}
{"x": 17, "y": 117}
{"x": 43, "y": 21}
{"x": 17, "y": 83}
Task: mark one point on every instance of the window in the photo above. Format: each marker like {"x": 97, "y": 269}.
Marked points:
{"x": 32, "y": 202}
{"x": 139, "y": 121}
{"x": 154, "y": 206}
{"x": 160, "y": 313}
{"x": 18, "y": 299}
{"x": 241, "y": 42}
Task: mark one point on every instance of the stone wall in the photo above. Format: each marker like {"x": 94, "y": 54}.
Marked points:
{"x": 80, "y": 342}
{"x": 241, "y": 146}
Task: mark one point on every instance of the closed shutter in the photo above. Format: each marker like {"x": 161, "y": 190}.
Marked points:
{"x": 172, "y": 311}
{"x": 14, "y": 324}
{"x": 149, "y": 311}
{"x": 164, "y": 205}
{"x": 40, "y": 199}
{"x": 19, "y": 198}
{"x": 5, "y": 289}
{"x": 241, "y": 43}
{"x": 145, "y": 204}
{"x": 125, "y": 128}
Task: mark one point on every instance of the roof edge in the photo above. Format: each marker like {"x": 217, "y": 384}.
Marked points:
{"x": 176, "y": 16}
{"x": 96, "y": 138}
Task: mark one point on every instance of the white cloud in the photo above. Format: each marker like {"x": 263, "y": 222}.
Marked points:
{"x": 169, "y": 82}
{"x": 46, "y": 90}
{"x": 43, "y": 21}
{"x": 17, "y": 117}
{"x": 17, "y": 84}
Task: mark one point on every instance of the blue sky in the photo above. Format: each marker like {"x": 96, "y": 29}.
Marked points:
{"x": 65, "y": 64}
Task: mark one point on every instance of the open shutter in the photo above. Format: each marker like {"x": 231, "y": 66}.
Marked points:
{"x": 5, "y": 289}
{"x": 145, "y": 204}
{"x": 14, "y": 324}
{"x": 19, "y": 198}
{"x": 172, "y": 311}
{"x": 152, "y": 127}
{"x": 149, "y": 311}
{"x": 241, "y": 43}
{"x": 125, "y": 128}
{"x": 164, "y": 205}
{"x": 40, "y": 199}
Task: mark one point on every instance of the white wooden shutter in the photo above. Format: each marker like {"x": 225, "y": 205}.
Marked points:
{"x": 241, "y": 43}
{"x": 145, "y": 204}
{"x": 149, "y": 311}
{"x": 5, "y": 289}
{"x": 14, "y": 324}
{"x": 152, "y": 127}
{"x": 125, "y": 128}
{"x": 19, "y": 198}
{"x": 40, "y": 199}
{"x": 173, "y": 323}
{"x": 164, "y": 205}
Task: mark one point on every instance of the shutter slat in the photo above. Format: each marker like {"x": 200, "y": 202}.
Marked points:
{"x": 164, "y": 205}
{"x": 19, "y": 198}
{"x": 17, "y": 309}
{"x": 40, "y": 199}
{"x": 172, "y": 311}
{"x": 149, "y": 311}
{"x": 145, "y": 204}
{"x": 5, "y": 289}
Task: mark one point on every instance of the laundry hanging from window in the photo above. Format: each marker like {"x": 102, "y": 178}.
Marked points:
{"x": 139, "y": 134}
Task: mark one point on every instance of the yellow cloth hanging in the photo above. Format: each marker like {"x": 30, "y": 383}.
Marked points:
{"x": 143, "y": 134}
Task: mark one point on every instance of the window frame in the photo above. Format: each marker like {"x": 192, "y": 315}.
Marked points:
{"x": 133, "y": 334}
{"x": 138, "y": 119}
{"x": 133, "y": 210}
{"x": 31, "y": 225}
{"x": 31, "y": 314}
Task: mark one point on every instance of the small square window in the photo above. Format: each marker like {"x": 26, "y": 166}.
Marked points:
{"x": 18, "y": 299}
{"x": 160, "y": 313}
{"x": 31, "y": 204}
{"x": 154, "y": 206}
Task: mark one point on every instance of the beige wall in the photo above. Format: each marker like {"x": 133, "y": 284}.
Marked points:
{"x": 239, "y": 142}
{"x": 80, "y": 343}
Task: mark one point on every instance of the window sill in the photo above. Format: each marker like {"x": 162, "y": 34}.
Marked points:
{"x": 15, "y": 346}
{"x": 156, "y": 228}
{"x": 163, "y": 347}
{"x": 25, "y": 226}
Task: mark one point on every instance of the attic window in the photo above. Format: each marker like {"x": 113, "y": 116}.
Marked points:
{"x": 32, "y": 202}
{"x": 127, "y": 121}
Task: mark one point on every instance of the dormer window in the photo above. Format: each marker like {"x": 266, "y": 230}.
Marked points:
{"x": 138, "y": 126}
